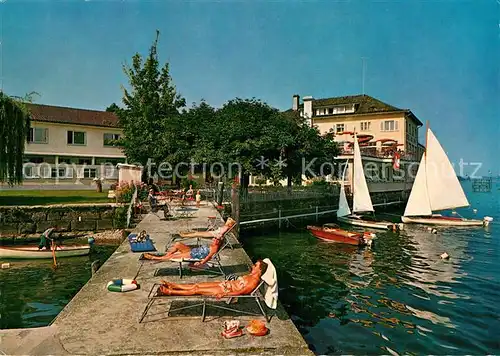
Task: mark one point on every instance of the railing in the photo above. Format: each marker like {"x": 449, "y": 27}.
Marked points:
{"x": 372, "y": 152}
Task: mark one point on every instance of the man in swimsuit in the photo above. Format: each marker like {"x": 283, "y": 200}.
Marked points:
{"x": 242, "y": 286}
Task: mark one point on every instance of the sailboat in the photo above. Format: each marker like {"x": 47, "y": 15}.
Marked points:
{"x": 436, "y": 187}
{"x": 333, "y": 233}
{"x": 362, "y": 202}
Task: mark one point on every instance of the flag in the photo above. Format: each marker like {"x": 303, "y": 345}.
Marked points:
{"x": 396, "y": 160}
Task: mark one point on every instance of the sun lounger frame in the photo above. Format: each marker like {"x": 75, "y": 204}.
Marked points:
{"x": 213, "y": 263}
{"x": 198, "y": 239}
{"x": 205, "y": 301}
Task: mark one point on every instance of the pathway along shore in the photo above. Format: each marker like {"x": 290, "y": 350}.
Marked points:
{"x": 98, "y": 322}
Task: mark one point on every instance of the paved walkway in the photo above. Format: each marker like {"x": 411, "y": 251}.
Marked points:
{"x": 100, "y": 322}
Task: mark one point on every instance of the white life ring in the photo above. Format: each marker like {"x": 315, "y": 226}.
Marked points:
{"x": 122, "y": 285}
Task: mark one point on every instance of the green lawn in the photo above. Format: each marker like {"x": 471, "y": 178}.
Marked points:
{"x": 46, "y": 197}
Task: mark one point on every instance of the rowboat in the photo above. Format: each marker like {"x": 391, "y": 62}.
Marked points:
{"x": 32, "y": 252}
{"x": 362, "y": 203}
{"x": 436, "y": 187}
{"x": 332, "y": 233}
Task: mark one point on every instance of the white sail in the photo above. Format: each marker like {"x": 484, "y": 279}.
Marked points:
{"x": 362, "y": 200}
{"x": 418, "y": 202}
{"x": 444, "y": 189}
{"x": 343, "y": 205}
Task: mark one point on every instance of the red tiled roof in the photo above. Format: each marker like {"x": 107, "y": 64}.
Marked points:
{"x": 63, "y": 115}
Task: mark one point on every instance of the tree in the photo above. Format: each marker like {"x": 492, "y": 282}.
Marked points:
{"x": 151, "y": 110}
{"x": 14, "y": 126}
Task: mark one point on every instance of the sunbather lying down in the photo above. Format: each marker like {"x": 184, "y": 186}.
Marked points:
{"x": 179, "y": 250}
{"x": 242, "y": 286}
{"x": 209, "y": 234}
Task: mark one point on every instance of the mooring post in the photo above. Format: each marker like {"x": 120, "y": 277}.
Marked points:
{"x": 235, "y": 207}
{"x": 279, "y": 218}
{"x": 316, "y": 214}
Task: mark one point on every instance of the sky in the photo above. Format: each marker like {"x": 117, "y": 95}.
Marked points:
{"x": 439, "y": 59}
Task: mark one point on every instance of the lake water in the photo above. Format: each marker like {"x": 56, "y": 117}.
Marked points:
{"x": 399, "y": 296}
{"x": 32, "y": 293}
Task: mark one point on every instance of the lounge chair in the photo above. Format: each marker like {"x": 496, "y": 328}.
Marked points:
{"x": 210, "y": 227}
{"x": 204, "y": 301}
{"x": 214, "y": 262}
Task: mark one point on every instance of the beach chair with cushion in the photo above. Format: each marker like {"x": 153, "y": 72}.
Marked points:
{"x": 269, "y": 296}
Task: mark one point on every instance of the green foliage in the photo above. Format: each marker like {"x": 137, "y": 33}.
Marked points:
{"x": 235, "y": 136}
{"x": 152, "y": 109}
{"x": 14, "y": 126}
{"x": 120, "y": 217}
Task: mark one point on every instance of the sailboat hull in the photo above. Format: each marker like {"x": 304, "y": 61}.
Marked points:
{"x": 442, "y": 220}
{"x": 382, "y": 225}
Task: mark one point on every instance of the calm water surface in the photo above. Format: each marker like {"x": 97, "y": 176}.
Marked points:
{"x": 398, "y": 296}
{"x": 32, "y": 293}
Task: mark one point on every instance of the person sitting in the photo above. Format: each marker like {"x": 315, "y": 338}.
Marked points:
{"x": 190, "y": 192}
{"x": 218, "y": 233}
{"x": 243, "y": 285}
{"x": 198, "y": 198}
{"x": 152, "y": 200}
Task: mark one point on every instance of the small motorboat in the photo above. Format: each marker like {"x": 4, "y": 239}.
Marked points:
{"x": 332, "y": 233}
{"x": 33, "y": 252}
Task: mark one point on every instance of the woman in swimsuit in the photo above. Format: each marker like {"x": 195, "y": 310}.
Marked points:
{"x": 242, "y": 286}
{"x": 179, "y": 250}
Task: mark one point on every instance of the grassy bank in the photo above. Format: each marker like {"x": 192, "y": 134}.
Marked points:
{"x": 47, "y": 197}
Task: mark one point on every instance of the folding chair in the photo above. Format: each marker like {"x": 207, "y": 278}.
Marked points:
{"x": 205, "y": 301}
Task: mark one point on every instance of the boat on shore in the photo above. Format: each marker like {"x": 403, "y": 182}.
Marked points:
{"x": 362, "y": 203}
{"x": 33, "y": 252}
{"x": 436, "y": 187}
{"x": 332, "y": 233}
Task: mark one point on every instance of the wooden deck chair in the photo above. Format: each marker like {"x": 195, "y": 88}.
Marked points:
{"x": 204, "y": 301}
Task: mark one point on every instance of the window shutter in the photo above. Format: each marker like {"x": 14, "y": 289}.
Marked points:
{"x": 395, "y": 125}
{"x": 382, "y": 126}
{"x": 70, "y": 137}
{"x": 46, "y": 135}
{"x": 69, "y": 172}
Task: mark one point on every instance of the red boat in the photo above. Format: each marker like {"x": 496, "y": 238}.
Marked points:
{"x": 332, "y": 233}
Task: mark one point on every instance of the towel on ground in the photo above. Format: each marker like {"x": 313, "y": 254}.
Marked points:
{"x": 271, "y": 285}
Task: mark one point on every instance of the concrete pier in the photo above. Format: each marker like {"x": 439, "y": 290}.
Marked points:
{"x": 100, "y": 322}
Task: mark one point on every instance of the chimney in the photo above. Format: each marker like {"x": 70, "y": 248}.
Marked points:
{"x": 308, "y": 109}
{"x": 295, "y": 102}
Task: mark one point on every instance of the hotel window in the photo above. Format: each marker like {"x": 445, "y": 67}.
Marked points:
{"x": 76, "y": 138}
{"x": 110, "y": 139}
{"x": 365, "y": 126}
{"x": 38, "y": 135}
{"x": 58, "y": 173}
{"x": 89, "y": 173}
{"x": 339, "y": 128}
{"x": 330, "y": 111}
{"x": 389, "y": 125}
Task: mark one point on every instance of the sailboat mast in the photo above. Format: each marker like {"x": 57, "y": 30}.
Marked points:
{"x": 426, "y": 135}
